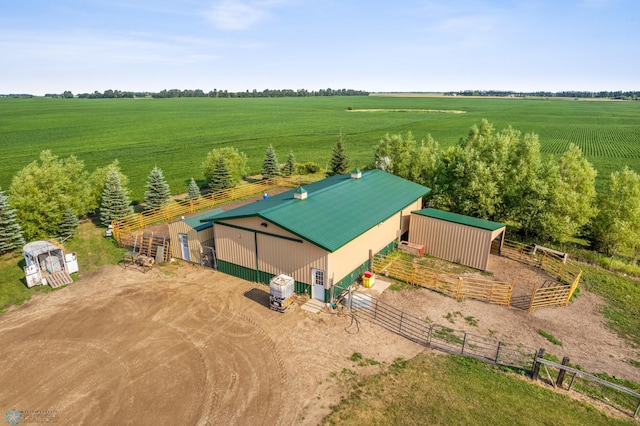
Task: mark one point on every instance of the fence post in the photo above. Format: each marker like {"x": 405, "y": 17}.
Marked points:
{"x": 371, "y": 260}
{"x": 536, "y": 366}
{"x": 464, "y": 341}
{"x": 429, "y": 336}
{"x": 498, "y": 351}
{"x": 401, "y": 318}
{"x": 375, "y": 311}
{"x": 561, "y": 373}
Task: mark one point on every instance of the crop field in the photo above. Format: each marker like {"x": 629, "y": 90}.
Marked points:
{"x": 176, "y": 134}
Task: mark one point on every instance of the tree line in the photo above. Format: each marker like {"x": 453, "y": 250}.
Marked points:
{"x": 502, "y": 176}
{"x": 489, "y": 174}
{"x": 617, "y": 94}
{"x": 215, "y": 93}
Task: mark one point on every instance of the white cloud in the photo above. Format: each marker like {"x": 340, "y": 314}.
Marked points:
{"x": 235, "y": 15}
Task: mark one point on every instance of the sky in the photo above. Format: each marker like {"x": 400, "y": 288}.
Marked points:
{"x": 49, "y": 46}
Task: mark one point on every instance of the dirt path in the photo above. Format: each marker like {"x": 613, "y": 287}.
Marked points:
{"x": 181, "y": 345}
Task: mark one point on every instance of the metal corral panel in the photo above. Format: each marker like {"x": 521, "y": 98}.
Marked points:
{"x": 278, "y": 255}
{"x": 454, "y": 242}
{"x": 236, "y": 246}
{"x": 196, "y": 239}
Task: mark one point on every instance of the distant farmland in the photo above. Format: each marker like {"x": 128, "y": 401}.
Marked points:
{"x": 176, "y": 134}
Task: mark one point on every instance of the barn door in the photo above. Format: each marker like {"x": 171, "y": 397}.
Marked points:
{"x": 184, "y": 244}
{"x": 208, "y": 258}
{"x": 317, "y": 278}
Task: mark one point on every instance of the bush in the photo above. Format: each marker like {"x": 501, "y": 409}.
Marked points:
{"x": 307, "y": 168}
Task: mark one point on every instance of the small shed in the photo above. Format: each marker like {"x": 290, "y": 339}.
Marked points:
{"x": 192, "y": 238}
{"x": 455, "y": 237}
{"x": 46, "y": 263}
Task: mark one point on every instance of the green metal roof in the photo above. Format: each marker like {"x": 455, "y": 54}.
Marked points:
{"x": 461, "y": 219}
{"x": 197, "y": 222}
{"x": 337, "y": 209}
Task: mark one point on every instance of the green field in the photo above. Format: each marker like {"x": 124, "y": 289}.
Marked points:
{"x": 175, "y": 134}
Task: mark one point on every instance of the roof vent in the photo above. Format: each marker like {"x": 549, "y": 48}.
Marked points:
{"x": 356, "y": 174}
{"x": 300, "y": 194}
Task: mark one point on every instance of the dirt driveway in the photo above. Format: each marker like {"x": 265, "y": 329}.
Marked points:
{"x": 177, "y": 345}
{"x": 186, "y": 345}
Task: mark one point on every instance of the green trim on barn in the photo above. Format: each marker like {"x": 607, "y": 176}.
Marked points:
{"x": 460, "y": 219}
{"x": 243, "y": 272}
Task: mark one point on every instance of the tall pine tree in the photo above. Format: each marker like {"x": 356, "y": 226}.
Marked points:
{"x": 194, "y": 190}
{"x": 290, "y": 166}
{"x": 221, "y": 178}
{"x": 69, "y": 225}
{"x": 158, "y": 189}
{"x": 339, "y": 163}
{"x": 270, "y": 166}
{"x": 115, "y": 201}
{"x": 10, "y": 231}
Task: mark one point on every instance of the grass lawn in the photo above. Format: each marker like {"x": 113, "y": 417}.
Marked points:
{"x": 623, "y": 300}
{"x": 449, "y": 390}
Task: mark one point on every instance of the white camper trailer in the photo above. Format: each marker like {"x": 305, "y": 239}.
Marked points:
{"x": 48, "y": 264}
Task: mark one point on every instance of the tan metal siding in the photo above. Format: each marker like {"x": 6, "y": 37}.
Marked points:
{"x": 406, "y": 214}
{"x": 236, "y": 246}
{"x": 350, "y": 256}
{"x": 451, "y": 241}
{"x": 256, "y": 223}
{"x": 277, "y": 255}
{"x": 195, "y": 240}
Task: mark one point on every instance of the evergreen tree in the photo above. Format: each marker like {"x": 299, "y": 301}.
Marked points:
{"x": 158, "y": 190}
{"x": 115, "y": 201}
{"x": 194, "y": 190}
{"x": 221, "y": 178}
{"x": 69, "y": 224}
{"x": 10, "y": 231}
{"x": 290, "y": 166}
{"x": 236, "y": 162}
{"x": 270, "y": 166}
{"x": 339, "y": 163}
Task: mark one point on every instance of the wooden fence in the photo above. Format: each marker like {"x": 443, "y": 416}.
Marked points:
{"x": 452, "y": 285}
{"x": 566, "y": 271}
{"x": 440, "y": 337}
{"x": 148, "y": 244}
{"x": 593, "y": 386}
{"x": 137, "y": 221}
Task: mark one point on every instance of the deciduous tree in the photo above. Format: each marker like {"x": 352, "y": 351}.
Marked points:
{"x": 617, "y": 224}
{"x": 42, "y": 190}
{"x": 236, "y": 163}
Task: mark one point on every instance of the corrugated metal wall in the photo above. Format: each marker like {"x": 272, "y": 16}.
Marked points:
{"x": 350, "y": 256}
{"x": 277, "y": 255}
{"x": 236, "y": 246}
{"x": 451, "y": 241}
{"x": 195, "y": 240}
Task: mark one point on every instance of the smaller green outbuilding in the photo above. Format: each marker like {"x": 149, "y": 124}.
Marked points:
{"x": 457, "y": 238}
